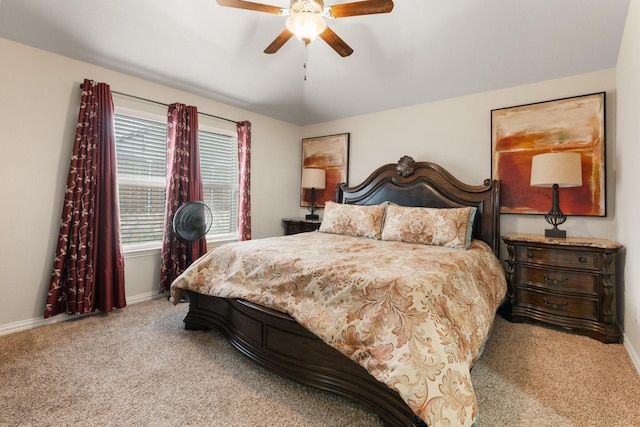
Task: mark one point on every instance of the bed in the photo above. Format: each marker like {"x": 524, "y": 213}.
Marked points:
{"x": 271, "y": 333}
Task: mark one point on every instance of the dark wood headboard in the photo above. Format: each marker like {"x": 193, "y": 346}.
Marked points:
{"x": 426, "y": 184}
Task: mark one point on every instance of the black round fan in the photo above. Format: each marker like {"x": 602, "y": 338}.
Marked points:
{"x": 192, "y": 221}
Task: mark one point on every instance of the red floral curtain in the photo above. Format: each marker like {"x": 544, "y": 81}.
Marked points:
{"x": 244, "y": 167}
{"x": 184, "y": 184}
{"x": 88, "y": 268}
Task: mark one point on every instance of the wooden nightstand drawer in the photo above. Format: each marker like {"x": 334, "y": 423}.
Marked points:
{"x": 558, "y": 304}
{"x": 558, "y": 280}
{"x": 567, "y": 259}
{"x": 567, "y": 282}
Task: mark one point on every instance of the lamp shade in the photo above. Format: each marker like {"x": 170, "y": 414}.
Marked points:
{"x": 564, "y": 169}
{"x": 313, "y": 178}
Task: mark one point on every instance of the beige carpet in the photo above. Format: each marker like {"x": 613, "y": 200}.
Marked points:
{"x": 140, "y": 367}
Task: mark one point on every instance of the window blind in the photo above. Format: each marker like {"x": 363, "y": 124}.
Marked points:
{"x": 219, "y": 170}
{"x": 141, "y": 156}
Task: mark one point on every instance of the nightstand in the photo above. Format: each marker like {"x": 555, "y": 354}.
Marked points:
{"x": 300, "y": 225}
{"x": 564, "y": 282}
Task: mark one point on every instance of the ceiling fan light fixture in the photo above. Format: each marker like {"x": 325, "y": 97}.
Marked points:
{"x": 306, "y": 26}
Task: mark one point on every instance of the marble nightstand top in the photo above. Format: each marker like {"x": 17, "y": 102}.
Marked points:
{"x": 569, "y": 241}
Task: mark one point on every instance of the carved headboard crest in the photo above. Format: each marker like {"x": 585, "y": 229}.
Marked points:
{"x": 404, "y": 168}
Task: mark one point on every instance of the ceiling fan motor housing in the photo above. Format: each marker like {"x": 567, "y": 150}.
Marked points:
{"x": 309, "y": 6}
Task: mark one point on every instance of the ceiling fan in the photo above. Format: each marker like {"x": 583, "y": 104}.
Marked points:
{"x": 306, "y": 19}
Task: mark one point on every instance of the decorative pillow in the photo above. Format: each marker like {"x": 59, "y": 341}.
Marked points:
{"x": 353, "y": 220}
{"x": 451, "y": 227}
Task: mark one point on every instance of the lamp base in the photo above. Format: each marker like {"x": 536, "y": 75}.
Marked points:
{"x": 312, "y": 216}
{"x": 555, "y": 232}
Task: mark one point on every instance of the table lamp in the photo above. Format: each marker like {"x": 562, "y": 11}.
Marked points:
{"x": 556, "y": 170}
{"x": 313, "y": 178}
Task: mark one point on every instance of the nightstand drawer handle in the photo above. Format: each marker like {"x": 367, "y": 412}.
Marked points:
{"x": 582, "y": 259}
{"x": 555, "y": 306}
{"x": 556, "y": 282}
{"x": 529, "y": 254}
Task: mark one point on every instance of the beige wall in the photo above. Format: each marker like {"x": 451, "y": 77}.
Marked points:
{"x": 628, "y": 176}
{"x": 454, "y": 133}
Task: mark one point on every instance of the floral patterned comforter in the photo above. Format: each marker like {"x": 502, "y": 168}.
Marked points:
{"x": 415, "y": 316}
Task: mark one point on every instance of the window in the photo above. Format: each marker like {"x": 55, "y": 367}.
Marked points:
{"x": 219, "y": 171}
{"x": 141, "y": 157}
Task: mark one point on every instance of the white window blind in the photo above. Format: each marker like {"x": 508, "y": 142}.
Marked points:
{"x": 141, "y": 157}
{"x": 219, "y": 171}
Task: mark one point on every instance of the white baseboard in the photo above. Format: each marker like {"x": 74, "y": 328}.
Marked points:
{"x": 632, "y": 353}
{"x": 145, "y": 297}
{"x": 23, "y": 325}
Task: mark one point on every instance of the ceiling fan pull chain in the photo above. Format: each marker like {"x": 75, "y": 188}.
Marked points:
{"x": 306, "y": 59}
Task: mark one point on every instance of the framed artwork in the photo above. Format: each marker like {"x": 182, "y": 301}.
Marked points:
{"x": 330, "y": 153}
{"x": 518, "y": 133}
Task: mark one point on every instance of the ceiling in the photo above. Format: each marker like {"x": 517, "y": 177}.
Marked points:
{"x": 424, "y": 50}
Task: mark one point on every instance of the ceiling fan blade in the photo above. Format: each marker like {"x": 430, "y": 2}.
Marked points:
{"x": 367, "y": 7}
{"x": 259, "y": 7}
{"x": 335, "y": 42}
{"x": 282, "y": 38}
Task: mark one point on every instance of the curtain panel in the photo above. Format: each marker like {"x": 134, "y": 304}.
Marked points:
{"x": 88, "y": 267}
{"x": 184, "y": 184}
{"x": 244, "y": 168}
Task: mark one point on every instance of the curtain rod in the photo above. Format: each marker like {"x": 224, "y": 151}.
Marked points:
{"x": 166, "y": 105}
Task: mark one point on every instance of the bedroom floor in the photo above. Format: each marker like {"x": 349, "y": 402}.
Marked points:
{"x": 139, "y": 366}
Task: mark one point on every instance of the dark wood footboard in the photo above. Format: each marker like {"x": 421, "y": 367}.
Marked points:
{"x": 277, "y": 342}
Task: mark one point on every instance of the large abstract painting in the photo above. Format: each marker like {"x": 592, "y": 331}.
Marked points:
{"x": 330, "y": 153}
{"x": 518, "y": 133}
